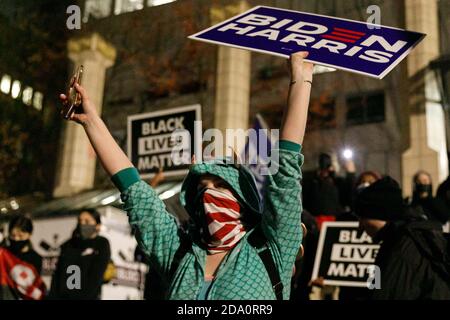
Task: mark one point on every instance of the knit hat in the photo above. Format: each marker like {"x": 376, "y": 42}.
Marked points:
{"x": 382, "y": 201}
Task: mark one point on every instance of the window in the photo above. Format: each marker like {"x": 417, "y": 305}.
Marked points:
{"x": 125, "y": 6}
{"x": 365, "y": 108}
{"x": 37, "y": 100}
{"x": 27, "y": 96}
{"x": 15, "y": 91}
{"x": 322, "y": 113}
{"x": 154, "y": 3}
{"x": 5, "y": 84}
{"x": 97, "y": 9}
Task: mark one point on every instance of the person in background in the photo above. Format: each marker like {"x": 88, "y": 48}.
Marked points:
{"x": 423, "y": 201}
{"x": 87, "y": 250}
{"x": 364, "y": 180}
{"x": 19, "y": 234}
{"x": 20, "y": 265}
{"x": 326, "y": 195}
{"x": 413, "y": 259}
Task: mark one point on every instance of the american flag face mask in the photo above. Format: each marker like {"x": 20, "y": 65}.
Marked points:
{"x": 223, "y": 218}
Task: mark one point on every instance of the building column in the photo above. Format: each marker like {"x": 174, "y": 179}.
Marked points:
{"x": 77, "y": 160}
{"x": 428, "y": 147}
{"x": 232, "y": 99}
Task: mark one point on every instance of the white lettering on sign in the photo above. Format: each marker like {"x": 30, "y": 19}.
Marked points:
{"x": 354, "y": 253}
{"x": 155, "y": 144}
{"x": 154, "y": 162}
{"x": 162, "y": 126}
{"x": 347, "y": 236}
{"x": 302, "y": 32}
{"x": 348, "y": 270}
{"x": 257, "y": 20}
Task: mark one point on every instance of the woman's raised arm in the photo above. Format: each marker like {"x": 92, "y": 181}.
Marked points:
{"x": 111, "y": 156}
{"x": 295, "y": 114}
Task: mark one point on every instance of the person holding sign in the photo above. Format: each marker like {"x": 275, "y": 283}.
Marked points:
{"x": 233, "y": 248}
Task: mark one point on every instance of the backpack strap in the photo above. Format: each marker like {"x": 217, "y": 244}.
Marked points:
{"x": 182, "y": 250}
{"x": 258, "y": 240}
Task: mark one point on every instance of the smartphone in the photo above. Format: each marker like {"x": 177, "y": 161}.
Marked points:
{"x": 73, "y": 102}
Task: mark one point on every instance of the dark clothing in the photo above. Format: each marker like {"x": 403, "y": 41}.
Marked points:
{"x": 155, "y": 286}
{"x": 31, "y": 257}
{"x": 414, "y": 262}
{"x": 92, "y": 257}
{"x": 434, "y": 208}
{"x": 304, "y": 267}
{"x": 443, "y": 192}
{"x": 327, "y": 196}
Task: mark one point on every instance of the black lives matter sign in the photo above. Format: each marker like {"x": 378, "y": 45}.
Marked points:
{"x": 154, "y": 137}
{"x": 344, "y": 255}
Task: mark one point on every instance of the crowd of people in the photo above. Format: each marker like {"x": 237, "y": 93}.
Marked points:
{"x": 414, "y": 255}
{"x": 237, "y": 246}
{"x": 86, "y": 250}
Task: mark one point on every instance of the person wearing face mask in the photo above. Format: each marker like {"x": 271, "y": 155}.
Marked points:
{"x": 234, "y": 247}
{"x": 87, "y": 250}
{"x": 423, "y": 201}
{"x": 19, "y": 235}
{"x": 20, "y": 265}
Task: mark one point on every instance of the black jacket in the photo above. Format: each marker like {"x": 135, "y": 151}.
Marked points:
{"x": 414, "y": 262}
{"x": 434, "y": 208}
{"x": 92, "y": 256}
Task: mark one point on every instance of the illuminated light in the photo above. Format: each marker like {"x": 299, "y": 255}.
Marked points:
{"x": 108, "y": 200}
{"x": 5, "y": 84}
{"x": 14, "y": 205}
{"x": 124, "y": 6}
{"x": 154, "y": 3}
{"x": 15, "y": 91}
{"x": 347, "y": 154}
{"x": 27, "y": 96}
{"x": 97, "y": 9}
{"x": 3, "y": 210}
{"x": 37, "y": 100}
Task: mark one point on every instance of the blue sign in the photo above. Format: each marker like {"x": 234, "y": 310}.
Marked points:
{"x": 354, "y": 46}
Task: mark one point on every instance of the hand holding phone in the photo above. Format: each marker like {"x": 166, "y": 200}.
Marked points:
{"x": 73, "y": 101}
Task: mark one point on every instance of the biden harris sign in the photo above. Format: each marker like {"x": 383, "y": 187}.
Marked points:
{"x": 343, "y": 44}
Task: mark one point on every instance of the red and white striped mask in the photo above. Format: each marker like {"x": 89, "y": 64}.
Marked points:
{"x": 223, "y": 214}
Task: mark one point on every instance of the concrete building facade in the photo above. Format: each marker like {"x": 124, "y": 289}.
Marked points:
{"x": 395, "y": 126}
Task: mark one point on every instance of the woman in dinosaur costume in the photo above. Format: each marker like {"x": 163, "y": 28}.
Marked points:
{"x": 218, "y": 258}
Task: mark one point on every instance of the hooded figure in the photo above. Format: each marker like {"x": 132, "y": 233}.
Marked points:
{"x": 413, "y": 258}
{"x": 422, "y": 199}
{"x": 221, "y": 223}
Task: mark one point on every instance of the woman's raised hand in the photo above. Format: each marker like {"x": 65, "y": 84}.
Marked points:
{"x": 89, "y": 110}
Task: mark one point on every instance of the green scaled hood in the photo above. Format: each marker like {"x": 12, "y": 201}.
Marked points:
{"x": 236, "y": 175}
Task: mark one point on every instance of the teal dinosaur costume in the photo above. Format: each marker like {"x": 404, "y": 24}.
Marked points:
{"x": 242, "y": 275}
